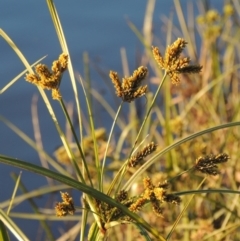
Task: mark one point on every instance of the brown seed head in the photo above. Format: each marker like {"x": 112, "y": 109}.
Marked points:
{"x": 172, "y": 63}
{"x": 130, "y": 88}
{"x": 46, "y": 79}
{"x": 147, "y": 150}
{"x": 66, "y": 207}
{"x": 208, "y": 163}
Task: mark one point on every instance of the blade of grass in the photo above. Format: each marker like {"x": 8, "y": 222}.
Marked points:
{"x": 45, "y": 99}
{"x": 81, "y": 187}
{"x": 147, "y": 23}
{"x": 34, "y": 206}
{"x": 200, "y": 191}
{"x": 168, "y": 137}
{"x": 17, "y": 182}
{"x": 31, "y": 143}
{"x": 143, "y": 168}
{"x": 123, "y": 168}
{"x": 92, "y": 125}
{"x": 18, "y": 77}
{"x": 37, "y": 133}
{"x": 16, "y": 50}
{"x": 15, "y": 230}
{"x": 183, "y": 25}
{"x": 108, "y": 108}
{"x": 63, "y": 43}
{"x": 3, "y": 232}
{"x": 83, "y": 223}
{"x": 36, "y": 193}
{"x": 44, "y": 217}
{"x": 77, "y": 142}
{"x": 182, "y": 212}
{"x": 108, "y": 142}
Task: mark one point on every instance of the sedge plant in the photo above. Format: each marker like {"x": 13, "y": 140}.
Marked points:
{"x": 137, "y": 182}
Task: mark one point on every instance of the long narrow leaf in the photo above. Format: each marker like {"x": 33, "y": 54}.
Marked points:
{"x": 81, "y": 187}
{"x": 168, "y": 148}
{"x": 15, "y": 230}
{"x": 63, "y": 43}
{"x": 8, "y": 85}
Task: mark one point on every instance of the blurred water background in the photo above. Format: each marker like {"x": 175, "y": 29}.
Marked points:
{"x": 97, "y": 27}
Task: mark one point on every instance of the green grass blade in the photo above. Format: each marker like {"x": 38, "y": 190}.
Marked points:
{"x": 8, "y": 222}
{"x": 63, "y": 43}
{"x": 123, "y": 168}
{"x": 108, "y": 108}
{"x": 81, "y": 187}
{"x": 14, "y": 192}
{"x": 3, "y": 232}
{"x": 92, "y": 125}
{"x": 44, "y": 217}
{"x": 108, "y": 142}
{"x": 31, "y": 143}
{"x": 16, "y": 49}
{"x": 35, "y": 193}
{"x": 200, "y": 191}
{"x": 168, "y": 148}
{"x": 61, "y": 135}
{"x": 77, "y": 141}
{"x": 184, "y": 27}
{"x": 45, "y": 98}
{"x": 18, "y": 77}
{"x": 34, "y": 206}
{"x": 182, "y": 212}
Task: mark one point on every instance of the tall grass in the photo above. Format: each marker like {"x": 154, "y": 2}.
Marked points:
{"x": 169, "y": 171}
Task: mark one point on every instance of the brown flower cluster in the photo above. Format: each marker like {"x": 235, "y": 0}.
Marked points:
{"x": 138, "y": 158}
{"x": 156, "y": 195}
{"x": 130, "y": 89}
{"x": 110, "y": 213}
{"x": 208, "y": 164}
{"x": 66, "y": 207}
{"x": 46, "y": 79}
{"x": 172, "y": 63}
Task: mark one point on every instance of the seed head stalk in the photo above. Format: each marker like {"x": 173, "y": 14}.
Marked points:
{"x": 108, "y": 142}
{"x": 76, "y": 140}
{"x": 123, "y": 168}
{"x": 148, "y": 112}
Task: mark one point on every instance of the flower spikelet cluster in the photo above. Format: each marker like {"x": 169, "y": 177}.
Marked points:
{"x": 47, "y": 79}
{"x": 172, "y": 63}
{"x": 130, "y": 89}
{"x": 111, "y": 213}
{"x": 208, "y": 164}
{"x": 156, "y": 195}
{"x": 66, "y": 207}
{"x": 138, "y": 158}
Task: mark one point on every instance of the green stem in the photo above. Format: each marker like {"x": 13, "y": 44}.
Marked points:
{"x": 93, "y": 193}
{"x": 182, "y": 212}
{"x": 175, "y": 144}
{"x": 83, "y": 223}
{"x": 201, "y": 191}
{"x": 124, "y": 166}
{"x": 34, "y": 206}
{"x": 90, "y": 114}
{"x": 76, "y": 140}
{"x": 148, "y": 112}
{"x": 108, "y": 142}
